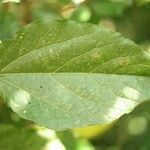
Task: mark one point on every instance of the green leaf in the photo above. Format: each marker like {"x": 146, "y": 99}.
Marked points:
{"x": 62, "y": 74}
{"x": 142, "y": 2}
{"x": 108, "y": 8}
{"x": 8, "y": 25}
{"x": 15, "y": 138}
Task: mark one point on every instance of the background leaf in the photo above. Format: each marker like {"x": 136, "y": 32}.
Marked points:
{"x": 11, "y": 137}
{"x": 141, "y": 2}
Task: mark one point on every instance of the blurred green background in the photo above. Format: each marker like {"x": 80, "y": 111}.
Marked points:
{"x": 130, "y": 132}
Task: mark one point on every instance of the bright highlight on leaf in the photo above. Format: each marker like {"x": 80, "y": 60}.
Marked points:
{"x": 19, "y": 100}
{"x": 62, "y": 74}
{"x": 78, "y": 1}
{"x": 5, "y": 1}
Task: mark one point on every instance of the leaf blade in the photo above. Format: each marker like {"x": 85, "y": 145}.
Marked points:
{"x": 85, "y": 69}
{"x": 59, "y": 97}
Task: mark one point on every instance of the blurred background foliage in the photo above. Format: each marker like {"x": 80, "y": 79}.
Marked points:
{"x": 130, "y": 132}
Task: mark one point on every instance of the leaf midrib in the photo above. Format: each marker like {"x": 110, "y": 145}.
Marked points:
{"x": 51, "y": 75}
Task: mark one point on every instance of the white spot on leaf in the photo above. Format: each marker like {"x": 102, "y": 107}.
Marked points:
{"x": 131, "y": 93}
{"x": 19, "y": 100}
{"x": 121, "y": 106}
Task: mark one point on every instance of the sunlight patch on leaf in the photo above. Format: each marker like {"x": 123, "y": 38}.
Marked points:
{"x": 19, "y": 101}
{"x": 121, "y": 106}
{"x": 131, "y": 93}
